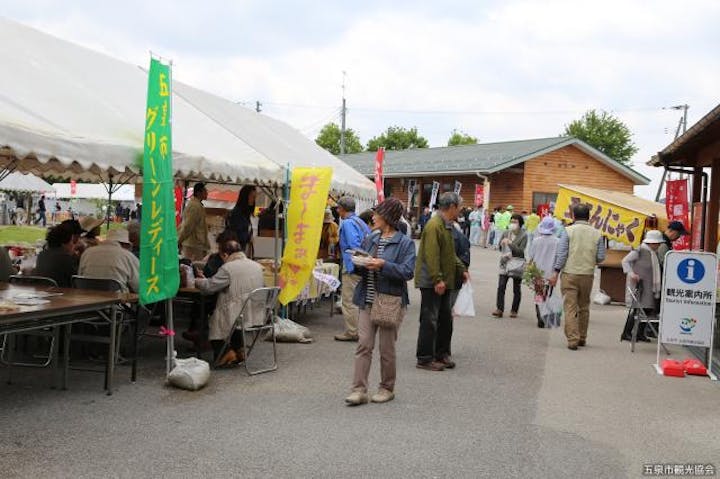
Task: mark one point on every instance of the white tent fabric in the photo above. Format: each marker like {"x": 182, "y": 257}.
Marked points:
{"x": 16, "y": 181}
{"x": 70, "y": 111}
{"x": 276, "y": 140}
{"x": 93, "y": 191}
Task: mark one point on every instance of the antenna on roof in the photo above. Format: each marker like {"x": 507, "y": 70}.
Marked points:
{"x": 343, "y": 111}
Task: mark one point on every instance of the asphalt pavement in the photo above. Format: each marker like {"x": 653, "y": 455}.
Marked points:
{"x": 519, "y": 404}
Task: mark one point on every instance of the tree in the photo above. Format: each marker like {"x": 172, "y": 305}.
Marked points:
{"x": 329, "y": 138}
{"x": 397, "y": 138}
{"x": 604, "y": 132}
{"x": 460, "y": 138}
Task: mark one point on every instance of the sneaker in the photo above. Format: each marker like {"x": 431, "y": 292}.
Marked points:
{"x": 346, "y": 337}
{"x": 383, "y": 395}
{"x": 448, "y": 362}
{"x": 356, "y": 398}
{"x": 431, "y": 366}
{"x": 513, "y": 314}
{"x": 497, "y": 313}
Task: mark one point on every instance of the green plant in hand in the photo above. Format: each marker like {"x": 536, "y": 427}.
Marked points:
{"x": 534, "y": 278}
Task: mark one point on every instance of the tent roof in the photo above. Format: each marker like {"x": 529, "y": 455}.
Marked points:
{"x": 70, "y": 111}
{"x": 624, "y": 200}
{"x": 16, "y": 181}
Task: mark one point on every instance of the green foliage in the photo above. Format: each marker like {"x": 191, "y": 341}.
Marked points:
{"x": 398, "y": 138}
{"x": 606, "y": 133}
{"x": 329, "y": 139}
{"x": 13, "y": 234}
{"x": 460, "y": 138}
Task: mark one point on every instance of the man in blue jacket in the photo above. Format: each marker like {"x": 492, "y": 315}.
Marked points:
{"x": 353, "y": 231}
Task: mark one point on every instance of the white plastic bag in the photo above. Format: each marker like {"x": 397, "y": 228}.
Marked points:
{"x": 601, "y": 297}
{"x": 551, "y": 311}
{"x": 465, "y": 304}
{"x": 191, "y": 373}
{"x": 288, "y": 331}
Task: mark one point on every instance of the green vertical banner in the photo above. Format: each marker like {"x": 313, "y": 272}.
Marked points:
{"x": 159, "y": 275}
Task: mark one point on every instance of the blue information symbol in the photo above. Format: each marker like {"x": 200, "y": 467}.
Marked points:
{"x": 691, "y": 271}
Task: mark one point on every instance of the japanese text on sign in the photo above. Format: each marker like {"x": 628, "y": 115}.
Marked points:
{"x": 614, "y": 222}
{"x": 308, "y": 196}
{"x": 159, "y": 277}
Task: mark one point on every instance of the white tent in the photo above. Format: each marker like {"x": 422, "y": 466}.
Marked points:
{"x": 90, "y": 191}
{"x": 70, "y": 111}
{"x": 26, "y": 183}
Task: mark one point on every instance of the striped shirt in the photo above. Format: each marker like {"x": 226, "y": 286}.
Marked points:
{"x": 371, "y": 276}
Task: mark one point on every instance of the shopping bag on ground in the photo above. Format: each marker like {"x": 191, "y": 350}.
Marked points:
{"x": 191, "y": 373}
{"x": 464, "y": 304}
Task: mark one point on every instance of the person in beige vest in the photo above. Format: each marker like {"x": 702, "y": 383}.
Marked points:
{"x": 235, "y": 280}
{"x": 580, "y": 249}
{"x": 193, "y": 235}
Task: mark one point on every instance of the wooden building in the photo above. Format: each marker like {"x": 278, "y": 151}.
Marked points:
{"x": 522, "y": 173}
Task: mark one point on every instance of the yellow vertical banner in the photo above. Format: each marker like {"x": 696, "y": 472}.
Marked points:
{"x": 308, "y": 197}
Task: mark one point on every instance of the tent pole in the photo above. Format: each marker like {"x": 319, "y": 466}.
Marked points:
{"x": 107, "y": 209}
{"x": 169, "y": 338}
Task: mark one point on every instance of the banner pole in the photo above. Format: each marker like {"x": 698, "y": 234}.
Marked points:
{"x": 170, "y": 337}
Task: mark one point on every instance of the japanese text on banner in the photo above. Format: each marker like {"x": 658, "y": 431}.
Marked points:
{"x": 614, "y": 222}
{"x": 159, "y": 276}
{"x": 308, "y": 197}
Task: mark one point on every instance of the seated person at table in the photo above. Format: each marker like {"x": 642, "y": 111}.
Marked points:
{"x": 6, "y": 267}
{"x": 215, "y": 260}
{"x": 77, "y": 231}
{"x": 234, "y": 281}
{"x": 91, "y": 226}
{"x": 112, "y": 259}
{"x": 134, "y": 237}
{"x": 58, "y": 261}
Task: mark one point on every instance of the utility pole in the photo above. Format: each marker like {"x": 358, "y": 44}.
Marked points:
{"x": 682, "y": 124}
{"x": 257, "y": 106}
{"x": 343, "y": 111}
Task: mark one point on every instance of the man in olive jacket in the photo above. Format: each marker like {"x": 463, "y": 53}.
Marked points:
{"x": 436, "y": 271}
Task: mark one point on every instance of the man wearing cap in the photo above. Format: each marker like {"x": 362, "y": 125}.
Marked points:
{"x": 580, "y": 249}
{"x": 436, "y": 272}
{"x": 353, "y": 231}
{"x": 193, "y": 235}
{"x": 112, "y": 259}
{"x": 674, "y": 232}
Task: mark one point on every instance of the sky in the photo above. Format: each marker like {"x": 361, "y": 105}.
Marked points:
{"x": 497, "y": 70}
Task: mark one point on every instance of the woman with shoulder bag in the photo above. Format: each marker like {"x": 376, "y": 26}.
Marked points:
{"x": 382, "y": 297}
{"x": 512, "y": 265}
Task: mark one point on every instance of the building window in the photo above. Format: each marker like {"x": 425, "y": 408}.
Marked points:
{"x": 543, "y": 199}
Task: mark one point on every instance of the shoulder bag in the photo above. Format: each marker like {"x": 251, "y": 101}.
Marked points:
{"x": 386, "y": 311}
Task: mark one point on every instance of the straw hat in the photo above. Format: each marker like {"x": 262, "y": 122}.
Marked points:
{"x": 118, "y": 235}
{"x": 89, "y": 223}
{"x": 653, "y": 237}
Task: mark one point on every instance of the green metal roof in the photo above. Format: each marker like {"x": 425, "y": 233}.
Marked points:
{"x": 484, "y": 158}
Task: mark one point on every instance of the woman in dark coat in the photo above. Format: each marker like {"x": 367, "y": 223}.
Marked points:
{"x": 238, "y": 221}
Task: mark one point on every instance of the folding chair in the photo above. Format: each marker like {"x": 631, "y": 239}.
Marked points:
{"x": 109, "y": 284}
{"x": 267, "y": 297}
{"x": 638, "y": 315}
{"x": 8, "y": 340}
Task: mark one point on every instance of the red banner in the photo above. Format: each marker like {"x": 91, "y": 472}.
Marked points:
{"x": 178, "y": 205}
{"x": 73, "y": 188}
{"x": 698, "y": 242}
{"x": 678, "y": 208}
{"x": 379, "y": 183}
{"x": 479, "y": 195}
{"x": 543, "y": 210}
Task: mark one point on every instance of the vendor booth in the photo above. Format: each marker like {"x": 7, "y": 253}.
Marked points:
{"x": 622, "y": 218}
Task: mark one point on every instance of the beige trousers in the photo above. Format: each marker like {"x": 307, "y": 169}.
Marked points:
{"x": 350, "y": 311}
{"x": 364, "y": 353}
{"x": 576, "y": 289}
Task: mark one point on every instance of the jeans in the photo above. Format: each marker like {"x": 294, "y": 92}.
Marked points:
{"x": 436, "y": 326}
{"x": 502, "y": 285}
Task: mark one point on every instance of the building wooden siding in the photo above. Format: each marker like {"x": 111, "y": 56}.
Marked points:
{"x": 516, "y": 185}
{"x": 570, "y": 165}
